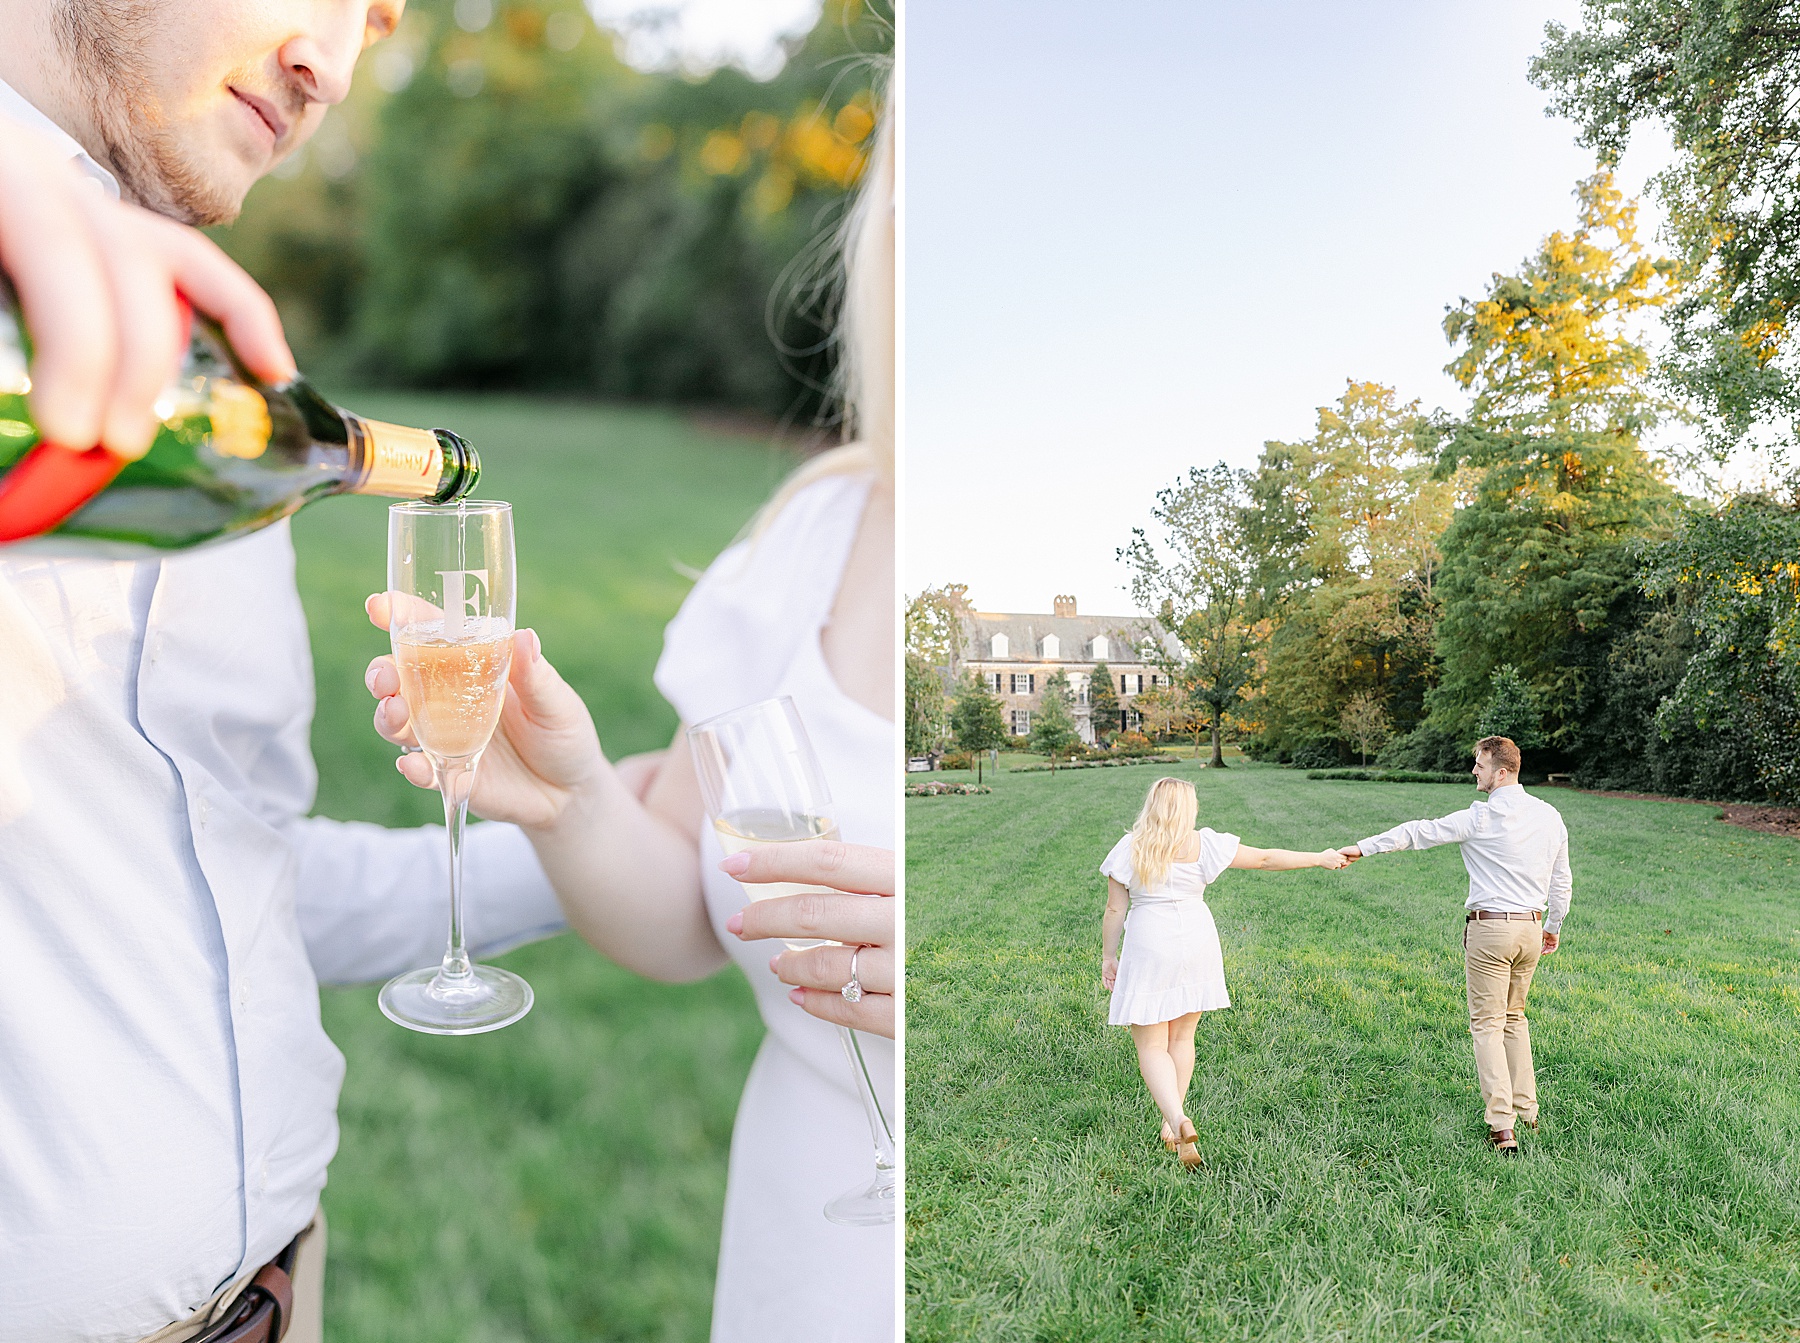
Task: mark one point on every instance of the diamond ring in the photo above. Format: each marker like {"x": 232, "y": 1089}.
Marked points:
{"x": 852, "y": 991}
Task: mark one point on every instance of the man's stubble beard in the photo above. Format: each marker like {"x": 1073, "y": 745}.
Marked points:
{"x": 106, "y": 43}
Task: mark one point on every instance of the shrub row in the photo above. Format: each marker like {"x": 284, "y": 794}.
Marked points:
{"x": 1099, "y": 764}
{"x": 942, "y": 789}
{"x": 1387, "y": 776}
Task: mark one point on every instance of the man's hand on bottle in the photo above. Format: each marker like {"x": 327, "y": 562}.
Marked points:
{"x": 97, "y": 281}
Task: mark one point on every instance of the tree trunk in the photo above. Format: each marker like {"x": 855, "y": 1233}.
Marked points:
{"x": 1218, "y": 760}
{"x": 978, "y": 756}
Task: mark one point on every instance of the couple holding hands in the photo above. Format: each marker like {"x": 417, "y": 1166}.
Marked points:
{"x": 1171, "y": 970}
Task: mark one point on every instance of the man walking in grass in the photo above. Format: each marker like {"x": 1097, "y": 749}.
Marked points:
{"x": 1517, "y": 851}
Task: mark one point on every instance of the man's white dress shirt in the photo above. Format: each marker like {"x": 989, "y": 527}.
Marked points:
{"x": 167, "y": 1094}
{"x": 1515, "y": 846}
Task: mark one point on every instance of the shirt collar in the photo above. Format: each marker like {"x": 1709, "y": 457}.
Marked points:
{"x": 1506, "y": 789}
{"x": 15, "y": 108}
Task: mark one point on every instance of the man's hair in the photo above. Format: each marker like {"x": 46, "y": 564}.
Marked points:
{"x": 1501, "y": 751}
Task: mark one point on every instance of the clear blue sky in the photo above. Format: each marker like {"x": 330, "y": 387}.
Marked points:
{"x": 1148, "y": 235}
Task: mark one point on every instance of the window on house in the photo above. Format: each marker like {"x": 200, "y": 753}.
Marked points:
{"x": 993, "y": 682}
{"x": 1021, "y": 719}
{"x": 1131, "y": 683}
{"x": 1133, "y": 720}
{"x": 1023, "y": 683}
{"x": 1101, "y": 648}
{"x": 1081, "y": 691}
{"x": 1000, "y": 646}
{"x": 1052, "y": 647}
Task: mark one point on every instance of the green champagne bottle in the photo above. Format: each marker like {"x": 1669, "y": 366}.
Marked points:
{"x": 231, "y": 455}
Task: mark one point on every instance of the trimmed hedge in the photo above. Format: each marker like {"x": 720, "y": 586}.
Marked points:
{"x": 946, "y": 789}
{"x": 1387, "y": 776}
{"x": 1099, "y": 764}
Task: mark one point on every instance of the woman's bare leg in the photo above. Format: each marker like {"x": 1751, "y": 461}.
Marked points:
{"x": 1159, "y": 1070}
{"x": 1181, "y": 1053}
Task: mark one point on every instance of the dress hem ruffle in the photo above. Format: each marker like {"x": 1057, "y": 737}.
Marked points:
{"x": 1151, "y": 1009}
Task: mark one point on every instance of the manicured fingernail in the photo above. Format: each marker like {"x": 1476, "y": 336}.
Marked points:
{"x": 537, "y": 645}
{"x": 735, "y": 924}
{"x": 797, "y": 997}
{"x": 736, "y": 865}
{"x": 772, "y": 961}
{"x": 369, "y": 677}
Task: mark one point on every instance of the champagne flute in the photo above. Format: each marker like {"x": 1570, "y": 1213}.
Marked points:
{"x": 763, "y": 786}
{"x": 451, "y": 607}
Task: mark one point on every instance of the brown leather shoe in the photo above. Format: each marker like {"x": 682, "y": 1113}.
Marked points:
{"x": 1502, "y": 1140}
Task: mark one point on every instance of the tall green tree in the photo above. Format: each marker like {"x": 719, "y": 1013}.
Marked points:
{"x": 1740, "y": 568}
{"x": 1103, "y": 704}
{"x": 1539, "y": 561}
{"x": 1722, "y": 77}
{"x": 1344, "y": 528}
{"x": 1053, "y": 730}
{"x": 927, "y": 713}
{"x": 977, "y": 720}
{"x": 1199, "y": 576}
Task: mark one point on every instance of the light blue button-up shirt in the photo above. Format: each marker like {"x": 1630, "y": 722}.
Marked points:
{"x": 167, "y": 1093}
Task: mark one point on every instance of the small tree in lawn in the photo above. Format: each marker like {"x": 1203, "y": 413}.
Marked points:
{"x": 1103, "y": 704}
{"x": 1365, "y": 722}
{"x": 1512, "y": 710}
{"x": 927, "y": 715}
{"x": 1199, "y": 578}
{"x": 977, "y": 720}
{"x": 1053, "y": 730}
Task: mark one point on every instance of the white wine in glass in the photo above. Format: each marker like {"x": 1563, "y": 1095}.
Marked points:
{"x": 762, "y": 786}
{"x": 451, "y": 606}
{"x": 760, "y": 827}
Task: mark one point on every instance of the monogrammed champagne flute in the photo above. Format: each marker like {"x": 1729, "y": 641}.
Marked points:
{"x": 763, "y": 786}
{"x": 450, "y": 596}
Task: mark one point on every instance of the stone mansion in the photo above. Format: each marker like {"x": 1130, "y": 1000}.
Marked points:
{"x": 1016, "y": 654}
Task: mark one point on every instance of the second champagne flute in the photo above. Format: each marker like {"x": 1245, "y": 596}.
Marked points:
{"x": 763, "y": 786}
{"x": 451, "y": 609}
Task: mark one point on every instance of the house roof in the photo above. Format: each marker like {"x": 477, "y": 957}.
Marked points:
{"x": 1075, "y": 635}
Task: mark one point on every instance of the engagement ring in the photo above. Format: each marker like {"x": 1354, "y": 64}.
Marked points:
{"x": 853, "y": 990}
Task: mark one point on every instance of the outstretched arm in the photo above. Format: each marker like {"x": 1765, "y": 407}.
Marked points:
{"x": 1451, "y": 829}
{"x": 1112, "y": 924}
{"x": 1286, "y": 860}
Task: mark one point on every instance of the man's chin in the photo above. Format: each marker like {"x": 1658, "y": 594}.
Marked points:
{"x": 199, "y": 188}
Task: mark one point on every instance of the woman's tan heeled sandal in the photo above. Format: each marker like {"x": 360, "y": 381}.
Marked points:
{"x": 1185, "y": 1146}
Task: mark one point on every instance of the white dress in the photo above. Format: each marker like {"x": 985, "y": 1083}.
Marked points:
{"x": 750, "y": 631}
{"x": 1171, "y": 963}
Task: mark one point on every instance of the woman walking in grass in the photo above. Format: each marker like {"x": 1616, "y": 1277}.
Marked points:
{"x": 1172, "y": 969}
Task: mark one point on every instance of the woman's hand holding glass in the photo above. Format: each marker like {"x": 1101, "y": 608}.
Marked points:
{"x": 820, "y": 973}
{"x": 544, "y": 755}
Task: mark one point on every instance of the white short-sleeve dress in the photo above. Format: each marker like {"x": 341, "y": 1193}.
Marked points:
{"x": 750, "y": 631}
{"x": 1171, "y": 963}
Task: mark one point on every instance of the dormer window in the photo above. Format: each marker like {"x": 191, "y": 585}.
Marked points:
{"x": 1000, "y": 646}
{"x": 1102, "y": 649}
{"x": 1052, "y": 647}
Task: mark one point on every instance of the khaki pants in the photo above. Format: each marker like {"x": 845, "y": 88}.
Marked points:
{"x": 308, "y": 1324}
{"x": 1500, "y": 956}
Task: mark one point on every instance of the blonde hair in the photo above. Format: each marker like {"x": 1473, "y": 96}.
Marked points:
{"x": 1162, "y": 828}
{"x": 864, "y": 381}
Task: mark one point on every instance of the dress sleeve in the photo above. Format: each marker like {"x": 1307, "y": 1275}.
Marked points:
{"x": 736, "y": 633}
{"x": 1118, "y": 863}
{"x": 1216, "y": 853}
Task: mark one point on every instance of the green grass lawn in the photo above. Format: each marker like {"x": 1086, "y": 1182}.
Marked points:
{"x": 561, "y": 1179}
{"x": 1346, "y": 1194}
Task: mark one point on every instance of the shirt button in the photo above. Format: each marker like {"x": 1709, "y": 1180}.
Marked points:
{"x": 243, "y": 994}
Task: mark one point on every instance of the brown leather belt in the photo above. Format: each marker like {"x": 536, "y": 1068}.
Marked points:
{"x": 1474, "y": 914}
{"x": 261, "y": 1312}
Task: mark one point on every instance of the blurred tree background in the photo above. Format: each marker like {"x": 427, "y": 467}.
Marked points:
{"x": 503, "y": 203}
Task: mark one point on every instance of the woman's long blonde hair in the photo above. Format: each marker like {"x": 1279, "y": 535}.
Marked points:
{"x": 864, "y": 382}
{"x": 1162, "y": 828}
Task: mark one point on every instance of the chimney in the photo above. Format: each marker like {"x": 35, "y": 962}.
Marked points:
{"x": 1063, "y": 606}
